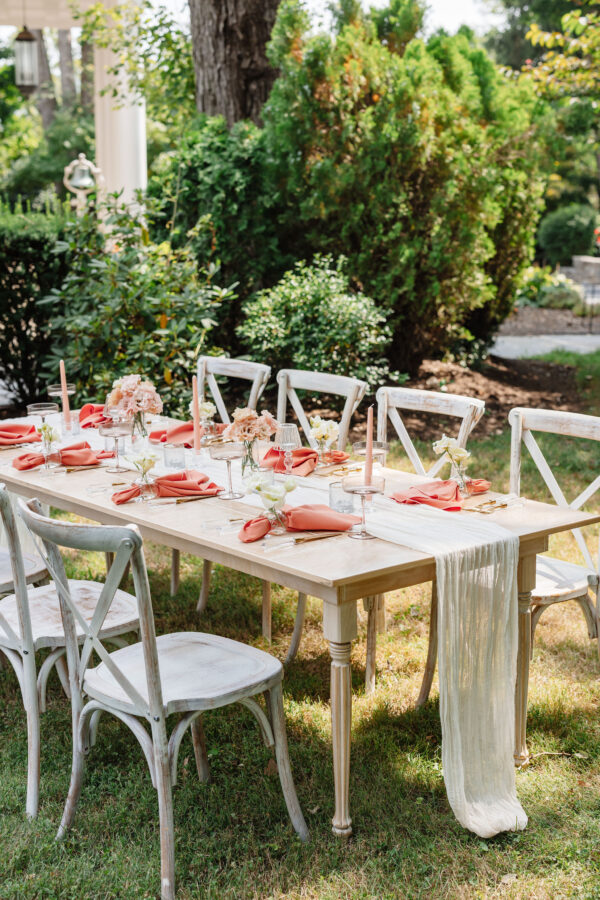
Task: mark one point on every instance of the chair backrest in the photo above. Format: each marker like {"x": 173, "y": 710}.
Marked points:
{"x": 292, "y": 380}
{"x": 525, "y": 421}
{"x": 24, "y": 639}
{"x": 209, "y": 366}
{"x": 391, "y": 399}
{"x": 125, "y": 542}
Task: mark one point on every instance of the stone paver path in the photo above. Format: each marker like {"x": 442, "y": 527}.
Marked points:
{"x": 525, "y": 346}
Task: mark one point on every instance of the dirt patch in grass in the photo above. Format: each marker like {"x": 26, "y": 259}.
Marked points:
{"x": 501, "y": 383}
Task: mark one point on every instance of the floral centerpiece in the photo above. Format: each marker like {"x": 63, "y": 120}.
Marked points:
{"x": 249, "y": 427}
{"x": 457, "y": 456}
{"x": 143, "y": 464}
{"x": 133, "y": 397}
{"x": 273, "y": 495}
{"x": 325, "y": 432}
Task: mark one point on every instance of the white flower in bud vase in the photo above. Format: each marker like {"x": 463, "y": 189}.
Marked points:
{"x": 206, "y": 409}
{"x": 324, "y": 429}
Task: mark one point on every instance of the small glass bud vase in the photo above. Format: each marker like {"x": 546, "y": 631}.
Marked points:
{"x": 458, "y": 473}
{"x": 250, "y": 463}
{"x": 139, "y": 432}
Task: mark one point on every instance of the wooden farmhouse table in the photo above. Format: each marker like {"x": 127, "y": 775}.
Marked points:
{"x": 338, "y": 571}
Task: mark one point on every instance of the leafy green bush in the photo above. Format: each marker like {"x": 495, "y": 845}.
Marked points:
{"x": 130, "y": 305}
{"x": 399, "y": 156}
{"x": 312, "y": 319}
{"x": 221, "y": 203}
{"x": 29, "y": 269}
{"x": 566, "y": 232}
{"x": 543, "y": 287}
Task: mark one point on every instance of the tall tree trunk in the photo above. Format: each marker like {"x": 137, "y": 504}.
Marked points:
{"x": 67, "y": 70}
{"x": 233, "y": 75}
{"x": 45, "y": 98}
{"x": 87, "y": 76}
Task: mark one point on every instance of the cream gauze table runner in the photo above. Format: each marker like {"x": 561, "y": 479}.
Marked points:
{"x": 476, "y": 565}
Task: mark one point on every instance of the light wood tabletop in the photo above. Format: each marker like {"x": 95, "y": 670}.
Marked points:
{"x": 339, "y": 571}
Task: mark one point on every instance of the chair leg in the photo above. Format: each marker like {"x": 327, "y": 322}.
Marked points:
{"x": 205, "y": 589}
{"x": 77, "y": 769}
{"x": 63, "y": 674}
{"x": 199, "y": 743}
{"x": 431, "y": 650}
{"x": 33, "y": 738}
{"x": 165, "y": 814}
{"x": 266, "y": 610}
{"x": 297, "y": 632}
{"x": 109, "y": 557}
{"x": 588, "y": 609}
{"x": 275, "y": 703}
{"x": 174, "y": 572}
{"x": 370, "y": 604}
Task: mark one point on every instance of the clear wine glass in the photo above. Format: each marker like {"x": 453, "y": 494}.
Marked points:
{"x": 116, "y": 430}
{"x": 228, "y": 451}
{"x": 380, "y": 448}
{"x": 287, "y": 438}
{"x": 355, "y": 484}
{"x": 42, "y": 410}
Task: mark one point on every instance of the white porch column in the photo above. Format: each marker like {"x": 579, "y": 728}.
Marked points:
{"x": 120, "y": 127}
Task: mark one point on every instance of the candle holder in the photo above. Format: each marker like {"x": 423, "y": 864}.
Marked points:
{"x": 55, "y": 390}
{"x": 228, "y": 452}
{"x": 355, "y": 484}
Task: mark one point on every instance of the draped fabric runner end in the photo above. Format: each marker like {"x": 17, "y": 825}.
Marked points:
{"x": 476, "y": 566}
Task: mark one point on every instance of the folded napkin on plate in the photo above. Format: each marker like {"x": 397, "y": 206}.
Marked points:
{"x": 18, "y": 433}
{"x": 182, "y": 434}
{"x": 80, "y": 454}
{"x": 304, "y": 460}
{"x": 308, "y": 517}
{"x": 441, "y": 494}
{"x": 188, "y": 483}
{"x": 92, "y": 414}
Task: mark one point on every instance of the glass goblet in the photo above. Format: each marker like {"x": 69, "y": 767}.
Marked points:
{"x": 115, "y": 430}
{"x": 228, "y": 451}
{"x": 287, "y": 438}
{"x": 380, "y": 448}
{"x": 355, "y": 484}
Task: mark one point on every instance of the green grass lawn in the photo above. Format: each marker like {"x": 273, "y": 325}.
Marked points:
{"x": 233, "y": 838}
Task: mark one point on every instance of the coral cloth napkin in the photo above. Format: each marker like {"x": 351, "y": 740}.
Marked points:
{"x": 304, "y": 460}
{"x": 441, "y": 494}
{"x": 92, "y": 414}
{"x": 308, "y": 517}
{"x": 19, "y": 433}
{"x": 80, "y": 454}
{"x": 188, "y": 483}
{"x": 180, "y": 434}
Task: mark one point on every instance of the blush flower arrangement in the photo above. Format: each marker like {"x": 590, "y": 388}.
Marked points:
{"x": 132, "y": 397}
{"x": 248, "y": 427}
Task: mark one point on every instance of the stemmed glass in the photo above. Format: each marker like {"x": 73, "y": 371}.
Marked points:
{"x": 115, "y": 429}
{"x": 355, "y": 484}
{"x": 42, "y": 410}
{"x": 287, "y": 438}
{"x": 228, "y": 451}
{"x": 380, "y": 448}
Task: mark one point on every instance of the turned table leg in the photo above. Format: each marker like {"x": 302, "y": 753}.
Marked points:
{"x": 339, "y": 627}
{"x": 370, "y": 605}
{"x": 526, "y": 583}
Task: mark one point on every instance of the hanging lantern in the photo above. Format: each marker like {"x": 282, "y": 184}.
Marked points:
{"x": 26, "y": 62}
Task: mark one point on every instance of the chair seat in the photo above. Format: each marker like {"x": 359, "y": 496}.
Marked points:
{"x": 46, "y": 620}
{"x": 197, "y": 671}
{"x": 35, "y": 570}
{"x": 556, "y": 580}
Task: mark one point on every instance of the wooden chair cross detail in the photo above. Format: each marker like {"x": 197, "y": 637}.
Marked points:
{"x": 257, "y": 374}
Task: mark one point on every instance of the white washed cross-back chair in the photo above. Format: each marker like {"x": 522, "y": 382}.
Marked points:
{"x": 30, "y": 621}
{"x": 391, "y": 401}
{"x": 556, "y": 580}
{"x": 144, "y": 683}
{"x": 209, "y": 369}
{"x": 290, "y": 381}
{"x": 35, "y": 570}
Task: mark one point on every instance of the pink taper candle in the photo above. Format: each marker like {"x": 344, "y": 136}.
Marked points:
{"x": 369, "y": 449}
{"x": 65, "y": 396}
{"x": 196, "y": 415}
